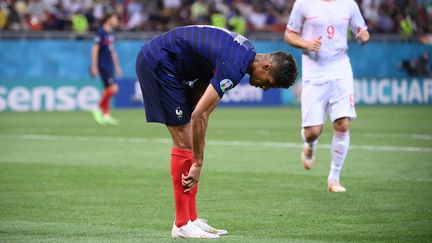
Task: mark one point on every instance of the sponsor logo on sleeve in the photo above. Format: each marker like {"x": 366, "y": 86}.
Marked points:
{"x": 240, "y": 39}
{"x": 226, "y": 85}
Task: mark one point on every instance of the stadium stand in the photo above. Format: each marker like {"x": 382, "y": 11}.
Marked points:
{"x": 406, "y": 18}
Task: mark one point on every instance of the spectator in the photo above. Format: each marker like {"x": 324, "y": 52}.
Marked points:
{"x": 50, "y": 5}
{"x": 62, "y": 17}
{"x": 245, "y": 8}
{"x": 172, "y": 4}
{"x": 137, "y": 20}
{"x": 79, "y": 23}
{"x": 407, "y": 17}
{"x": 370, "y": 13}
{"x": 3, "y": 15}
{"x": 157, "y": 21}
{"x": 406, "y": 26}
{"x": 133, "y": 7}
{"x": 120, "y": 11}
{"x": 74, "y": 6}
{"x": 384, "y": 22}
{"x": 35, "y": 15}
{"x": 98, "y": 10}
{"x": 237, "y": 23}
{"x": 15, "y": 20}
{"x": 222, "y": 7}
{"x": 171, "y": 7}
{"x": 199, "y": 11}
{"x": 183, "y": 17}
{"x": 36, "y": 9}
{"x": 258, "y": 18}
{"x": 135, "y": 15}
{"x": 218, "y": 19}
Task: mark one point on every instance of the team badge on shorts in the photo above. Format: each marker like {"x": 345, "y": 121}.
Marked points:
{"x": 351, "y": 99}
{"x": 226, "y": 85}
{"x": 179, "y": 112}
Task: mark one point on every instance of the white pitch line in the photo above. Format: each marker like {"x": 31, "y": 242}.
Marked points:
{"x": 396, "y": 136}
{"x": 46, "y": 137}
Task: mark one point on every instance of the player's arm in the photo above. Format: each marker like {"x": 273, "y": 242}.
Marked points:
{"x": 358, "y": 25}
{"x": 295, "y": 26}
{"x": 362, "y": 35}
{"x": 199, "y": 122}
{"x": 116, "y": 62}
{"x": 293, "y": 38}
{"x": 94, "y": 59}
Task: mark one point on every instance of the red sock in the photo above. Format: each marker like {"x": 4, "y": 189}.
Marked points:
{"x": 192, "y": 204}
{"x": 104, "y": 103}
{"x": 181, "y": 161}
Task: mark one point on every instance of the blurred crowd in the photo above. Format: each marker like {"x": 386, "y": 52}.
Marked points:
{"x": 404, "y": 17}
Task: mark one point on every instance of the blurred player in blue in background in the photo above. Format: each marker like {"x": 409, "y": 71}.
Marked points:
{"x": 183, "y": 75}
{"x": 106, "y": 63}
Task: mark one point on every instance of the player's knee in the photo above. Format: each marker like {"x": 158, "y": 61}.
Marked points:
{"x": 342, "y": 124}
{"x": 183, "y": 145}
{"x": 182, "y": 142}
{"x": 181, "y": 136}
{"x": 114, "y": 88}
{"x": 312, "y": 133}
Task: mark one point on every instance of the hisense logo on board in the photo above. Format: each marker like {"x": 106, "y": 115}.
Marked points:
{"x": 47, "y": 98}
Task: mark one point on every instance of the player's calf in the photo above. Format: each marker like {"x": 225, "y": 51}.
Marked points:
{"x": 308, "y": 156}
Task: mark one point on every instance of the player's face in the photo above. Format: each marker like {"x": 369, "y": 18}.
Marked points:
{"x": 113, "y": 21}
{"x": 260, "y": 83}
{"x": 263, "y": 79}
{"x": 261, "y": 76}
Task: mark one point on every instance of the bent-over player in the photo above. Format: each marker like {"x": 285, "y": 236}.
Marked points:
{"x": 183, "y": 75}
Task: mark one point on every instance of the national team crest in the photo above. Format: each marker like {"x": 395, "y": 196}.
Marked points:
{"x": 179, "y": 112}
{"x": 226, "y": 85}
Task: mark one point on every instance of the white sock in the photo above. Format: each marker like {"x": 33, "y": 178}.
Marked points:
{"x": 339, "y": 150}
{"x": 312, "y": 144}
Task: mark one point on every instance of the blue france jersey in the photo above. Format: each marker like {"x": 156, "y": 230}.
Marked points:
{"x": 202, "y": 53}
{"x": 105, "y": 40}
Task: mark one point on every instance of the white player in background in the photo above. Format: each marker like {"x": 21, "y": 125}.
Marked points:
{"x": 319, "y": 27}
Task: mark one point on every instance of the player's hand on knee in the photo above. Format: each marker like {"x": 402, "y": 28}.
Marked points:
{"x": 191, "y": 180}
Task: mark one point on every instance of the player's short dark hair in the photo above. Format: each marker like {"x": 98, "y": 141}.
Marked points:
{"x": 284, "y": 69}
{"x": 107, "y": 16}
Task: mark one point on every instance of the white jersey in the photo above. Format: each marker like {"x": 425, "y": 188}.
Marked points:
{"x": 328, "y": 20}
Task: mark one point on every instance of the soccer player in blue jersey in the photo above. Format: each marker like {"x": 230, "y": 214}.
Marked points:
{"x": 183, "y": 75}
{"x": 106, "y": 63}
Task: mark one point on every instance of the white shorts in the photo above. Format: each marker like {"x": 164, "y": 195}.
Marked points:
{"x": 335, "y": 97}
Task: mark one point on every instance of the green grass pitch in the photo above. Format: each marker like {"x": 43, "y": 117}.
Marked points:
{"x": 65, "y": 179}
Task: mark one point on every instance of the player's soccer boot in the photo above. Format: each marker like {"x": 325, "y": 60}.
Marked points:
{"x": 202, "y": 224}
{"x": 97, "y": 114}
{"x": 110, "y": 120}
{"x": 308, "y": 156}
{"x": 191, "y": 231}
{"x": 335, "y": 186}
